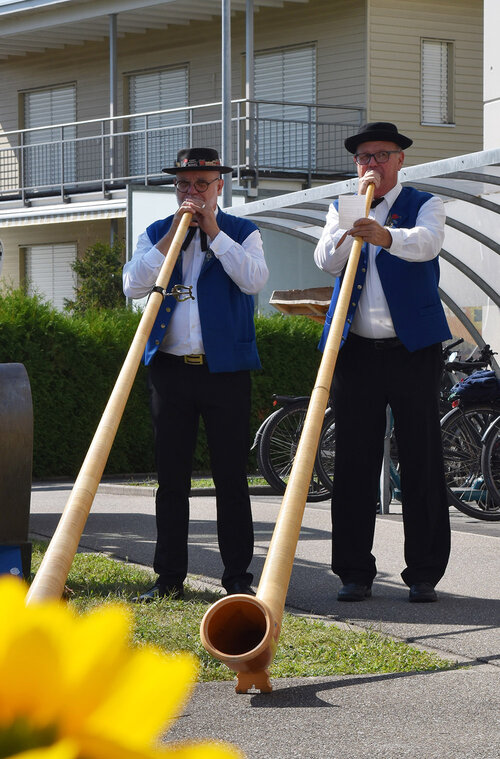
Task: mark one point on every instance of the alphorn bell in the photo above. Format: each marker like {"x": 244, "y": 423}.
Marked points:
{"x": 242, "y": 631}
{"x": 50, "y": 579}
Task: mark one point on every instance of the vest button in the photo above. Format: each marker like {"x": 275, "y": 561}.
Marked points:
{"x": 162, "y": 326}
{"x": 168, "y": 309}
{"x": 157, "y": 342}
{"x": 353, "y": 304}
{"x": 363, "y": 270}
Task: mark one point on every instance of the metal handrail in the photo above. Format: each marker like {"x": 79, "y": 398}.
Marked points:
{"x": 116, "y": 152}
{"x": 217, "y": 104}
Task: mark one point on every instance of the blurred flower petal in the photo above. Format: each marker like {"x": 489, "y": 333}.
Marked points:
{"x": 131, "y": 706}
{"x": 212, "y": 750}
{"x": 73, "y": 687}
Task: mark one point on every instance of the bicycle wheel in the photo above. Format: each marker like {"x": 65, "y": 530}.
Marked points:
{"x": 325, "y": 457}
{"x": 260, "y": 431}
{"x": 278, "y": 446}
{"x": 462, "y": 431}
{"x": 490, "y": 465}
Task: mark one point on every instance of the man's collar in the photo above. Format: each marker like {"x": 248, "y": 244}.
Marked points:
{"x": 393, "y": 194}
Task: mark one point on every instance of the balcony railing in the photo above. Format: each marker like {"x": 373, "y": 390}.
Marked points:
{"x": 268, "y": 137}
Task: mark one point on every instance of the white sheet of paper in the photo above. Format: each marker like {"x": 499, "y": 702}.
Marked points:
{"x": 351, "y": 208}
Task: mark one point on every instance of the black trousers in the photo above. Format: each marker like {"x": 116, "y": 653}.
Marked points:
{"x": 369, "y": 376}
{"x": 180, "y": 394}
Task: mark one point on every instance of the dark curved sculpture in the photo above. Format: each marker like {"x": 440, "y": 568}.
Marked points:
{"x": 16, "y": 459}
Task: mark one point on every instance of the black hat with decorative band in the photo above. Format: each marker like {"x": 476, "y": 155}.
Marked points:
{"x": 199, "y": 159}
{"x": 377, "y": 130}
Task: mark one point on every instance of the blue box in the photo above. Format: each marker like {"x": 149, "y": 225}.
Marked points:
{"x": 11, "y": 561}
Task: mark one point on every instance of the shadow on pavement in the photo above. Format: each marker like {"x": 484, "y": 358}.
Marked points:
{"x": 132, "y": 537}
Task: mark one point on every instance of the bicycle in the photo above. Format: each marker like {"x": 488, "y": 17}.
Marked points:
{"x": 451, "y": 364}
{"x": 325, "y": 459}
{"x": 465, "y": 430}
{"x": 490, "y": 461}
{"x": 277, "y": 439}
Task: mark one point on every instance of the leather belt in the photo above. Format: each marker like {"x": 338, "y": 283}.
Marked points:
{"x": 193, "y": 359}
{"x": 378, "y": 344}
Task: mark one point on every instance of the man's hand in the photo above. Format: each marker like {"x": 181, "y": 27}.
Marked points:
{"x": 203, "y": 216}
{"x": 372, "y": 232}
{"x": 370, "y": 177}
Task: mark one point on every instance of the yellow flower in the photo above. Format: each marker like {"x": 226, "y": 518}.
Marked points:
{"x": 72, "y": 687}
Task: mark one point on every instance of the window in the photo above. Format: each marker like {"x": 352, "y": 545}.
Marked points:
{"x": 437, "y": 82}
{"x": 48, "y": 272}
{"x": 158, "y": 138}
{"x": 46, "y": 162}
{"x": 284, "y": 134}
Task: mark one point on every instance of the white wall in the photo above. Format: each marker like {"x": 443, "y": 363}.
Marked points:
{"x": 491, "y": 74}
{"x": 291, "y": 267}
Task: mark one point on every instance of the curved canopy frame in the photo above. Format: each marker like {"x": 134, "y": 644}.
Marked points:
{"x": 469, "y": 185}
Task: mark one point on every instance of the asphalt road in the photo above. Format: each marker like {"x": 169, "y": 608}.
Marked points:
{"x": 433, "y": 715}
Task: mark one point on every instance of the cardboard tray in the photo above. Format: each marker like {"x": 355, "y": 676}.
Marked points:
{"x": 312, "y": 302}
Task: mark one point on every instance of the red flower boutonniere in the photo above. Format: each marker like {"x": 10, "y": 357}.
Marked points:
{"x": 392, "y": 220}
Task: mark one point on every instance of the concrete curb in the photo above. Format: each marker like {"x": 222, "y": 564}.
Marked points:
{"x": 150, "y": 491}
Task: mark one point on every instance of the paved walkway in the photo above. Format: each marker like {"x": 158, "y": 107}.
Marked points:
{"x": 452, "y": 713}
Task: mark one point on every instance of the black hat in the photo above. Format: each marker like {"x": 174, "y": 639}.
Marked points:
{"x": 204, "y": 159}
{"x": 377, "y": 130}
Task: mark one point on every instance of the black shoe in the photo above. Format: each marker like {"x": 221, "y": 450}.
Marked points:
{"x": 174, "y": 591}
{"x": 354, "y": 591}
{"x": 239, "y": 587}
{"x": 422, "y": 592}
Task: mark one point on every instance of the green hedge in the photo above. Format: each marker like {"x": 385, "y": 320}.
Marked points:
{"x": 73, "y": 362}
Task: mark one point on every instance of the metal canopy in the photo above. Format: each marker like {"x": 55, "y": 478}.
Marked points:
{"x": 469, "y": 185}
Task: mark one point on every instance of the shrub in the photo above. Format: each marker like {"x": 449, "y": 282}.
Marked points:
{"x": 73, "y": 362}
{"x": 99, "y": 274}
{"x": 289, "y": 356}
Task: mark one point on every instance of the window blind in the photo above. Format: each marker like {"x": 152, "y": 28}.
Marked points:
{"x": 436, "y": 87}
{"x": 49, "y": 272}
{"x": 163, "y": 135}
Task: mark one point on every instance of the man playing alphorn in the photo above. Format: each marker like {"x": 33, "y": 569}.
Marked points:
{"x": 200, "y": 354}
{"x": 391, "y": 354}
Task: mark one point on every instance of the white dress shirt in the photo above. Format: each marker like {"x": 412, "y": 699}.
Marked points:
{"x": 245, "y": 264}
{"x": 420, "y": 243}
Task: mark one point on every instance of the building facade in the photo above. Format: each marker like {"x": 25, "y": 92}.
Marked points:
{"x": 96, "y": 98}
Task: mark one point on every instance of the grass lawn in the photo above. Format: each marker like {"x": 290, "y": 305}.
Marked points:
{"x": 200, "y": 482}
{"x": 306, "y": 647}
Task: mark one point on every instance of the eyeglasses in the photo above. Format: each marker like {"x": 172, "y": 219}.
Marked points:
{"x": 382, "y": 156}
{"x": 182, "y": 185}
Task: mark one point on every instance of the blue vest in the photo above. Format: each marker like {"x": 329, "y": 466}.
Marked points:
{"x": 410, "y": 287}
{"x": 226, "y": 313}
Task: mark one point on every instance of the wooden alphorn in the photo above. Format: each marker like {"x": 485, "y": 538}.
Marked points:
{"x": 242, "y": 631}
{"x": 50, "y": 579}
